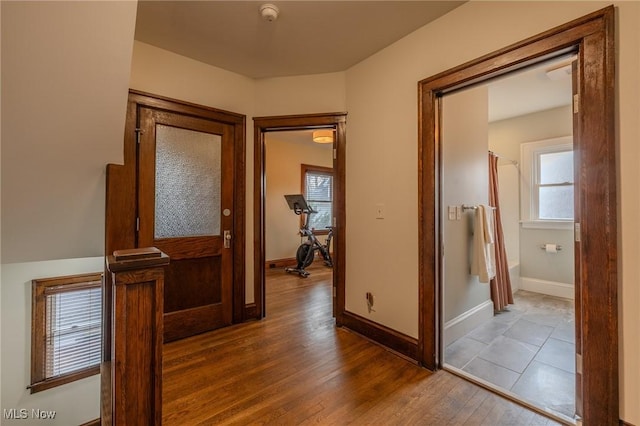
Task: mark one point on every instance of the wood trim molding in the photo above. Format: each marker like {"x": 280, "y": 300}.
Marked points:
{"x": 592, "y": 39}
{"x": 251, "y": 312}
{"x": 623, "y": 423}
{"x": 94, "y": 422}
{"x": 280, "y": 263}
{"x": 289, "y": 261}
{"x": 262, "y": 125}
{"x": 398, "y": 342}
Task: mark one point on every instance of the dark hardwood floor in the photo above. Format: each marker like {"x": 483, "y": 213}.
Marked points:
{"x": 296, "y": 367}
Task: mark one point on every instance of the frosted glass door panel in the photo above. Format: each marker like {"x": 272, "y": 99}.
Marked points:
{"x": 188, "y": 192}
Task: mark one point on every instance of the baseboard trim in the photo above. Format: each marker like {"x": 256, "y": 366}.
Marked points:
{"x": 623, "y": 423}
{"x": 280, "y": 263}
{"x": 95, "y": 422}
{"x": 397, "y": 342}
{"x": 552, "y": 288}
{"x": 467, "y": 321}
{"x": 289, "y": 261}
{"x": 250, "y": 312}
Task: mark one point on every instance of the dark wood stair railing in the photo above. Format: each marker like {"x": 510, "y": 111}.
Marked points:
{"x": 132, "y": 377}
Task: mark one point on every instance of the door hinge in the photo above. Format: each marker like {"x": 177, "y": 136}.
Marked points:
{"x": 137, "y": 224}
{"x": 576, "y": 232}
{"x": 138, "y": 133}
{"x": 576, "y": 103}
{"x": 578, "y": 364}
{"x": 335, "y": 153}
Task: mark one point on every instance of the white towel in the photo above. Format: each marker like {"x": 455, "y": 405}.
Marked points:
{"x": 483, "y": 260}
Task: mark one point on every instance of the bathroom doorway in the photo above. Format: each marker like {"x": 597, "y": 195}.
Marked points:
{"x": 509, "y": 323}
{"x": 591, "y": 39}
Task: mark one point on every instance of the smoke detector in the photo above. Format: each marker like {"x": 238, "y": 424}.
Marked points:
{"x": 269, "y": 12}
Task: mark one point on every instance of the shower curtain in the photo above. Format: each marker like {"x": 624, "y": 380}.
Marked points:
{"x": 501, "y": 293}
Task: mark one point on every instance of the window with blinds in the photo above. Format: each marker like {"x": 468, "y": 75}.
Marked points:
{"x": 317, "y": 187}
{"x": 67, "y": 326}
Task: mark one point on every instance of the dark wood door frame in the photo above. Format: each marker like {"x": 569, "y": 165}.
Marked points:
{"x": 121, "y": 194}
{"x": 262, "y": 125}
{"x": 592, "y": 39}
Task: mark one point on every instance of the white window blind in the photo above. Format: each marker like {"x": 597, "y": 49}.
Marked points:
{"x": 66, "y": 339}
{"x": 318, "y": 192}
{"x": 73, "y": 327}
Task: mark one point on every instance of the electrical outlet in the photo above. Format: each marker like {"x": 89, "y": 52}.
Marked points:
{"x": 370, "y": 301}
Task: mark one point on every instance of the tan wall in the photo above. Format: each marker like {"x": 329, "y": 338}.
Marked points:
{"x": 161, "y": 72}
{"x": 283, "y": 171}
{"x": 307, "y": 94}
{"x": 65, "y": 75}
{"x": 64, "y": 83}
{"x": 165, "y": 73}
{"x": 77, "y": 94}
{"x": 383, "y": 134}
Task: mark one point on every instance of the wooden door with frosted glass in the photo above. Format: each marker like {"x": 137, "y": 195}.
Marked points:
{"x": 185, "y": 202}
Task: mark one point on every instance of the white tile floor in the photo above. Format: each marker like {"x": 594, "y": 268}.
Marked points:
{"x": 528, "y": 350}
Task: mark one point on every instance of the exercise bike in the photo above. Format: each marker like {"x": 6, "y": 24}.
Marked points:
{"x": 307, "y": 250}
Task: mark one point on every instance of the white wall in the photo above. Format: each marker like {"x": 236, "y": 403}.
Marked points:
{"x": 283, "y": 175}
{"x": 74, "y": 403}
{"x": 383, "y": 134}
{"x": 64, "y": 89}
{"x": 465, "y": 180}
{"x": 506, "y": 137}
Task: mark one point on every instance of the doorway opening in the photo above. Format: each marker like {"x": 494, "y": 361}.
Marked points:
{"x": 591, "y": 39}
{"x": 272, "y": 134}
{"x": 509, "y": 318}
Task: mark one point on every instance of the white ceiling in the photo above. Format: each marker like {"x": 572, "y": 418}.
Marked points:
{"x": 318, "y": 36}
{"x": 309, "y": 37}
{"x": 529, "y": 91}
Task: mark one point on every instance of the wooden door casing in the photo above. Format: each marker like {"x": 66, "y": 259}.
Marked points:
{"x": 121, "y": 196}
{"x": 592, "y": 39}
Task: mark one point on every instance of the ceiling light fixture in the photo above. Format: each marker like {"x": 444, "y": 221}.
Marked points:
{"x": 323, "y": 136}
{"x": 269, "y": 12}
{"x": 560, "y": 70}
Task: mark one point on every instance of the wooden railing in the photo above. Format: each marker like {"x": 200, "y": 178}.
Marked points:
{"x": 132, "y": 374}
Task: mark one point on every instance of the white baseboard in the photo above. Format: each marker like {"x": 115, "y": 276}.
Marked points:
{"x": 466, "y": 322}
{"x": 551, "y": 288}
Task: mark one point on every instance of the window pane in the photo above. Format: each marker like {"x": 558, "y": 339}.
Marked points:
{"x": 322, "y": 218}
{"x": 188, "y": 173}
{"x": 318, "y": 187}
{"x": 556, "y": 202}
{"x": 73, "y": 336}
{"x": 556, "y": 167}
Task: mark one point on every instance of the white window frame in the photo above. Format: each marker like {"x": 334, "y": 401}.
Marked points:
{"x": 529, "y": 154}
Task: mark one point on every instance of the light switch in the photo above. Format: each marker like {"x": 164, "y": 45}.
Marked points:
{"x": 379, "y": 211}
{"x": 458, "y": 212}
{"x": 452, "y": 212}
